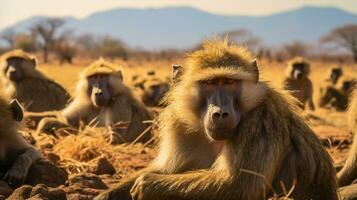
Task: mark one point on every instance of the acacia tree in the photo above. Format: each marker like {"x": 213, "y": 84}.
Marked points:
{"x": 46, "y": 31}
{"x": 345, "y": 37}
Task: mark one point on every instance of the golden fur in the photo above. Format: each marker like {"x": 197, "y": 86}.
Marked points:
{"x": 349, "y": 171}
{"x": 272, "y": 140}
{"x": 301, "y": 89}
{"x": 36, "y": 92}
{"x": 123, "y": 108}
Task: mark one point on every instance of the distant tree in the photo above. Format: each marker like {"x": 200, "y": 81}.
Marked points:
{"x": 297, "y": 48}
{"x": 46, "y": 31}
{"x": 65, "y": 47}
{"x": 9, "y": 37}
{"x": 27, "y": 42}
{"x": 345, "y": 37}
{"x": 243, "y": 37}
{"x": 111, "y": 48}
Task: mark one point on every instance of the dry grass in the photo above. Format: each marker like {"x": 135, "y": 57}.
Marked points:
{"x": 78, "y": 151}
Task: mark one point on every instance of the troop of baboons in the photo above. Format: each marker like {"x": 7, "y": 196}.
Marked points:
{"x": 223, "y": 132}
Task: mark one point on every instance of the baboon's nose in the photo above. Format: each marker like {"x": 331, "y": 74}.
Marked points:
{"x": 220, "y": 115}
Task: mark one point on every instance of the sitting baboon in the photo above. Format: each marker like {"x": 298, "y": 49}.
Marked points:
{"x": 102, "y": 100}
{"x": 298, "y": 83}
{"x": 16, "y": 155}
{"x": 337, "y": 96}
{"x": 349, "y": 171}
{"x": 35, "y": 91}
{"x": 239, "y": 137}
{"x": 334, "y": 74}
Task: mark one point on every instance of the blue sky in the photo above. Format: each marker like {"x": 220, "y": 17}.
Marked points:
{"x": 12, "y": 11}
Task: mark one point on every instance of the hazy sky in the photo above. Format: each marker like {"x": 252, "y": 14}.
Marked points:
{"x": 12, "y": 11}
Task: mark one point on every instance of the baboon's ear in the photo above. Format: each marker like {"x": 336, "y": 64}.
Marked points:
{"x": 254, "y": 64}
{"x": 16, "y": 109}
{"x": 176, "y": 73}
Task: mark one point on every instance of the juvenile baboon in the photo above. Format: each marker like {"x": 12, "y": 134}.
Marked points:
{"x": 16, "y": 155}
{"x": 21, "y": 80}
{"x": 298, "y": 83}
{"x": 154, "y": 90}
{"x": 239, "y": 137}
{"x": 349, "y": 171}
{"x": 334, "y": 74}
{"x": 337, "y": 96}
{"x": 102, "y": 99}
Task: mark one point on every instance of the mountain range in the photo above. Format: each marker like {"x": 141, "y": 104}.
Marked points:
{"x": 183, "y": 27}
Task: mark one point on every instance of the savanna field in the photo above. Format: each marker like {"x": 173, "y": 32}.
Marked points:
{"x": 93, "y": 165}
{"x": 328, "y": 124}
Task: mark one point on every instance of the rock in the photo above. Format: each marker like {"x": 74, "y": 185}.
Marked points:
{"x": 5, "y": 189}
{"x": 80, "y": 197}
{"x": 54, "y": 158}
{"x": 101, "y": 165}
{"x": 87, "y": 181}
{"x": 44, "y": 172}
{"x": 38, "y": 192}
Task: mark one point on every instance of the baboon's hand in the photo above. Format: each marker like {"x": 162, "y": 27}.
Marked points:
{"x": 140, "y": 190}
{"x": 17, "y": 174}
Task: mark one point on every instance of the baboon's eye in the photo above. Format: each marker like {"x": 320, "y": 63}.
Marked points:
{"x": 229, "y": 81}
{"x": 211, "y": 82}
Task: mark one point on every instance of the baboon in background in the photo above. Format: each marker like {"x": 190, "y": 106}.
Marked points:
{"x": 242, "y": 134}
{"x": 334, "y": 74}
{"x": 337, "y": 96}
{"x": 16, "y": 155}
{"x": 21, "y": 80}
{"x": 150, "y": 89}
{"x": 349, "y": 171}
{"x": 154, "y": 90}
{"x": 298, "y": 83}
{"x": 102, "y": 99}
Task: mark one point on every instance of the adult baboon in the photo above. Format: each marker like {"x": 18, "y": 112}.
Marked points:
{"x": 248, "y": 139}
{"x": 16, "y": 155}
{"x": 337, "y": 96}
{"x": 102, "y": 99}
{"x": 349, "y": 171}
{"x": 298, "y": 83}
{"x": 334, "y": 74}
{"x": 35, "y": 91}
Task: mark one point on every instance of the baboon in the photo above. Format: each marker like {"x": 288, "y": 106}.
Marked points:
{"x": 334, "y": 74}
{"x": 337, "y": 96}
{"x": 349, "y": 171}
{"x": 102, "y": 100}
{"x": 16, "y": 155}
{"x": 298, "y": 83}
{"x": 154, "y": 90}
{"x": 226, "y": 135}
{"x": 21, "y": 80}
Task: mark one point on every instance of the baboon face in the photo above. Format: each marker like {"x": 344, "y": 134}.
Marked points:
{"x": 99, "y": 89}
{"x": 336, "y": 73}
{"x": 348, "y": 85}
{"x": 299, "y": 71}
{"x": 220, "y": 111}
{"x": 14, "y": 69}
